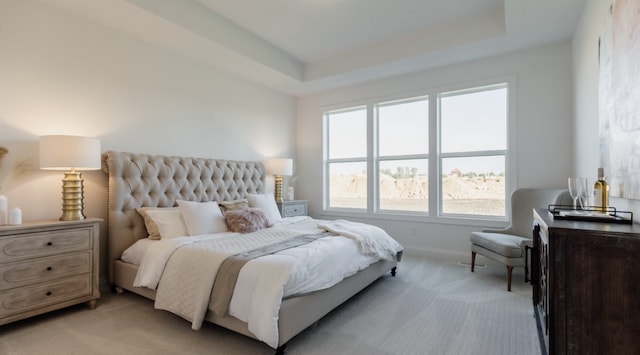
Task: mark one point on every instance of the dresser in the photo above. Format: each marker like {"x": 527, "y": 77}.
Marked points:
{"x": 586, "y": 286}
{"x": 46, "y": 266}
{"x": 293, "y": 208}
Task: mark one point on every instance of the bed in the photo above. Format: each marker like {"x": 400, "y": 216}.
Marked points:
{"x": 143, "y": 180}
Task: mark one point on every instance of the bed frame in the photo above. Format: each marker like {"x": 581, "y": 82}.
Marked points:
{"x": 142, "y": 180}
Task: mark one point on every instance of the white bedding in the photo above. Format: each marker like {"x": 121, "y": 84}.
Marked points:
{"x": 265, "y": 281}
{"x": 135, "y": 253}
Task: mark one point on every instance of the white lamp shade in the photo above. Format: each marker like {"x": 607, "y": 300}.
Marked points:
{"x": 281, "y": 167}
{"x": 69, "y": 152}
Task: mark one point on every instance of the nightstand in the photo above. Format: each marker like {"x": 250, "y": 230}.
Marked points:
{"x": 47, "y": 265}
{"x": 293, "y": 208}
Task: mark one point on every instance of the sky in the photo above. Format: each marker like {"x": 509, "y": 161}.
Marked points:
{"x": 470, "y": 121}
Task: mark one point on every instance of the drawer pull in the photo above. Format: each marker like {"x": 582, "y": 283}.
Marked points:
{"x": 49, "y": 268}
{"x": 50, "y": 243}
{"x": 49, "y": 293}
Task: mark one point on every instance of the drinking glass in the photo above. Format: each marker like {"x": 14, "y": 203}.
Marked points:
{"x": 586, "y": 191}
{"x": 574, "y": 190}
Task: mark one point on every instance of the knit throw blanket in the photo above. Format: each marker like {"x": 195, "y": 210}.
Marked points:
{"x": 372, "y": 240}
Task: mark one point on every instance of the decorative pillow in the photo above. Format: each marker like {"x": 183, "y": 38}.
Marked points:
{"x": 233, "y": 205}
{"x": 202, "y": 217}
{"x": 247, "y": 220}
{"x": 267, "y": 203}
{"x": 163, "y": 222}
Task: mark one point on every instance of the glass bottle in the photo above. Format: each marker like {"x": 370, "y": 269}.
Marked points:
{"x": 601, "y": 192}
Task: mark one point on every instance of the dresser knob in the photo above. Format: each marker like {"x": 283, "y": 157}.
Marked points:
{"x": 49, "y": 268}
{"x": 49, "y": 293}
{"x": 50, "y": 243}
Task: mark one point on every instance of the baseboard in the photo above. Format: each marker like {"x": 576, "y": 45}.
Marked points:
{"x": 452, "y": 256}
{"x": 440, "y": 254}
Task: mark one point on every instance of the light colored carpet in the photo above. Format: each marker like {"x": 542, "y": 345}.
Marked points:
{"x": 430, "y": 307}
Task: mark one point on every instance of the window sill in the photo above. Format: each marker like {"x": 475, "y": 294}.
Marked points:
{"x": 474, "y": 221}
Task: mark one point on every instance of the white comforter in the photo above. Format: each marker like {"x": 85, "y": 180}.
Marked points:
{"x": 265, "y": 281}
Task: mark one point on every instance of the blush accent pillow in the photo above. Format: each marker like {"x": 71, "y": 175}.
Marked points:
{"x": 233, "y": 205}
{"x": 202, "y": 217}
{"x": 163, "y": 222}
{"x": 247, "y": 220}
{"x": 267, "y": 203}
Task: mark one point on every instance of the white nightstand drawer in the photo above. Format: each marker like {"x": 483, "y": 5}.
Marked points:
{"x": 44, "y": 269}
{"x": 26, "y": 298}
{"x": 291, "y": 210}
{"x": 42, "y": 244}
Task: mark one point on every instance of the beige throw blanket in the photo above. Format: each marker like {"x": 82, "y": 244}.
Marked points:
{"x": 187, "y": 281}
{"x": 228, "y": 271}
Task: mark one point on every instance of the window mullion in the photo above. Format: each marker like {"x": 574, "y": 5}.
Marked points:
{"x": 479, "y": 153}
{"x": 434, "y": 161}
{"x": 403, "y": 157}
{"x": 372, "y": 161}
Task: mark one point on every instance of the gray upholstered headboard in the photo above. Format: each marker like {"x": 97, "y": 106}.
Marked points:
{"x": 143, "y": 180}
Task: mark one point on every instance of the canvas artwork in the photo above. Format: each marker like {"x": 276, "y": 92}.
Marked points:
{"x": 619, "y": 94}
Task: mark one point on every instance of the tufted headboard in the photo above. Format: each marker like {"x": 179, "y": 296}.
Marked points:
{"x": 143, "y": 180}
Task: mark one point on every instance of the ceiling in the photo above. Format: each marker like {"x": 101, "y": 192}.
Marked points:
{"x": 304, "y": 46}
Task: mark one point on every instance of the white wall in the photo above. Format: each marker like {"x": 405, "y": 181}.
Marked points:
{"x": 586, "y": 149}
{"x": 542, "y": 147}
{"x": 61, "y": 74}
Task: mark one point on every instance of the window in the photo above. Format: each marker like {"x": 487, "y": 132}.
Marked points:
{"x": 387, "y": 156}
{"x": 403, "y": 154}
{"x": 346, "y": 161}
{"x": 473, "y": 150}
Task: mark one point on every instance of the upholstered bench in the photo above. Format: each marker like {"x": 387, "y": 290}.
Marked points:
{"x": 507, "y": 246}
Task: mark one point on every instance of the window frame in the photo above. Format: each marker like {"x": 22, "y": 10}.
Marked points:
{"x": 434, "y": 213}
{"x": 378, "y": 159}
{"x": 327, "y": 161}
{"x": 471, "y": 154}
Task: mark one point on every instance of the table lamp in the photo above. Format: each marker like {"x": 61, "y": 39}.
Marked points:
{"x": 72, "y": 154}
{"x": 278, "y": 168}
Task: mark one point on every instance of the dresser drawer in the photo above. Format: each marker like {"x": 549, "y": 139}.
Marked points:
{"x": 26, "y": 298}
{"x": 291, "y": 210}
{"x": 44, "y": 269}
{"x": 42, "y": 244}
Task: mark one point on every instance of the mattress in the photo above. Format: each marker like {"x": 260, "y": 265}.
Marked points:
{"x": 319, "y": 264}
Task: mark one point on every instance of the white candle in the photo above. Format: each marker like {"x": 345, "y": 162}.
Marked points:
{"x": 290, "y": 193}
{"x": 15, "y": 216}
{"x": 4, "y": 209}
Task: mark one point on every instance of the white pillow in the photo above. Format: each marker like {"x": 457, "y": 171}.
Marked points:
{"x": 267, "y": 203}
{"x": 169, "y": 222}
{"x": 135, "y": 253}
{"x": 202, "y": 217}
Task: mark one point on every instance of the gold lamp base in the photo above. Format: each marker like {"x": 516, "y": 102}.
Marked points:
{"x": 278, "y": 191}
{"x": 72, "y": 196}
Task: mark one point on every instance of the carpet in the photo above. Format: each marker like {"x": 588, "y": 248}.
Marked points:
{"x": 430, "y": 307}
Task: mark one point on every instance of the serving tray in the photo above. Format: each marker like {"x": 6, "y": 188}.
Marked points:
{"x": 591, "y": 214}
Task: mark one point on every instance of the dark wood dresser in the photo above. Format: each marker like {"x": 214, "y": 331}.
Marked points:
{"x": 586, "y": 286}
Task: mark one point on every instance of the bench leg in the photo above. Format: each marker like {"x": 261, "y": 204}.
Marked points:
{"x": 473, "y": 260}
{"x": 509, "y": 270}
